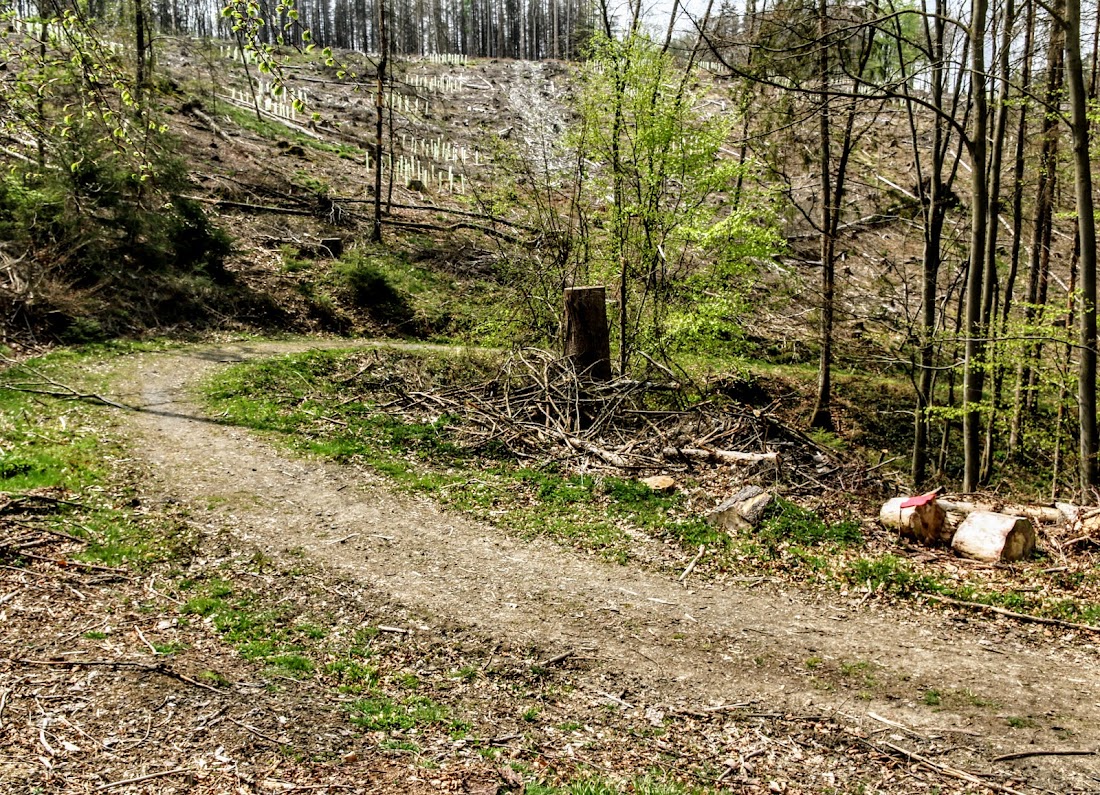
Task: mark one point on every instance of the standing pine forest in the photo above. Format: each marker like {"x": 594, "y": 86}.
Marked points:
{"x": 888, "y": 204}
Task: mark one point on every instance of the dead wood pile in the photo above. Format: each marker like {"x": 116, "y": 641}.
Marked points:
{"x": 536, "y": 407}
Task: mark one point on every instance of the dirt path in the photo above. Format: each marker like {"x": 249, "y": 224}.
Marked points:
{"x": 1005, "y": 688}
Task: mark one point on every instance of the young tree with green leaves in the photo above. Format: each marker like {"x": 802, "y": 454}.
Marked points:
{"x": 656, "y": 171}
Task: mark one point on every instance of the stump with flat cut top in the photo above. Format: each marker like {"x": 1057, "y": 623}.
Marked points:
{"x": 587, "y": 338}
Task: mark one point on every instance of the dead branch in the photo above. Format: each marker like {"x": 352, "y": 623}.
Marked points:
{"x": 1055, "y": 622}
{"x": 159, "y": 668}
{"x": 718, "y": 456}
{"x": 60, "y": 390}
{"x": 1026, "y": 754}
{"x": 427, "y": 208}
{"x": 953, "y": 772}
{"x": 257, "y": 208}
{"x": 146, "y": 777}
{"x": 454, "y": 228}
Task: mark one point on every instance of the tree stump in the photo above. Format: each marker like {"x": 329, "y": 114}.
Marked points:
{"x": 994, "y": 537}
{"x": 587, "y": 342}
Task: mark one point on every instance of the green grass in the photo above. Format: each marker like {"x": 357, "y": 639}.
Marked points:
{"x": 60, "y": 447}
{"x": 382, "y": 713}
{"x": 272, "y": 130}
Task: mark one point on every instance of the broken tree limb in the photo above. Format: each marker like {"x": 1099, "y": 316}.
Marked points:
{"x": 607, "y": 456}
{"x": 1054, "y": 622}
{"x": 947, "y": 770}
{"x": 485, "y": 230}
{"x": 1026, "y": 754}
{"x": 694, "y": 561}
{"x": 720, "y": 456}
{"x": 256, "y": 208}
{"x": 60, "y": 390}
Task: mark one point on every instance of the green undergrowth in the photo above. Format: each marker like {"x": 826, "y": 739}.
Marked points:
{"x": 304, "y": 400}
{"x": 310, "y": 402}
{"x": 59, "y": 469}
{"x": 290, "y": 643}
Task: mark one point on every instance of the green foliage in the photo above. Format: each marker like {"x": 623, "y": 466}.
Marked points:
{"x": 370, "y": 289}
{"x": 381, "y": 713}
{"x": 786, "y": 522}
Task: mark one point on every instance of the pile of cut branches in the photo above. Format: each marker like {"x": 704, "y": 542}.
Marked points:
{"x": 536, "y": 405}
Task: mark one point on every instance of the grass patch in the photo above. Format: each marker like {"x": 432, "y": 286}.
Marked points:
{"x": 56, "y": 455}
{"x": 382, "y": 713}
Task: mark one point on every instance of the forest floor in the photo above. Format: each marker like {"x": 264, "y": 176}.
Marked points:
{"x": 433, "y": 653}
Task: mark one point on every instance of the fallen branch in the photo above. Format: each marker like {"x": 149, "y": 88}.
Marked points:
{"x": 64, "y": 390}
{"x": 953, "y": 772}
{"x": 694, "y": 560}
{"x": 427, "y": 208}
{"x": 161, "y": 669}
{"x": 253, "y": 730}
{"x": 259, "y": 208}
{"x": 1026, "y": 754}
{"x": 1055, "y": 622}
{"x": 454, "y": 228}
{"x": 557, "y": 658}
{"x": 719, "y": 456}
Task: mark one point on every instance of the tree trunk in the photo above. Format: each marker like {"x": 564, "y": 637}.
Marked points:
{"x": 822, "y": 415}
{"x": 379, "y": 121}
{"x": 1000, "y": 126}
{"x": 1086, "y": 230}
{"x": 973, "y": 372}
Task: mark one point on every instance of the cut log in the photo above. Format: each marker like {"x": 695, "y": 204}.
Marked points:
{"x": 742, "y": 511}
{"x": 994, "y": 537}
{"x": 719, "y": 456}
{"x": 587, "y": 341}
{"x": 1037, "y": 513}
{"x": 925, "y": 523}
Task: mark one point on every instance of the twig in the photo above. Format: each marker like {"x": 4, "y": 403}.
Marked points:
{"x": 694, "y": 560}
{"x": 144, "y": 640}
{"x": 1055, "y": 622}
{"x": 616, "y": 699}
{"x": 3, "y": 704}
{"x": 76, "y": 564}
{"x": 557, "y": 658}
{"x": 254, "y": 730}
{"x": 1026, "y": 754}
{"x": 67, "y": 391}
{"x": 146, "y": 777}
{"x": 395, "y": 630}
{"x": 154, "y": 669}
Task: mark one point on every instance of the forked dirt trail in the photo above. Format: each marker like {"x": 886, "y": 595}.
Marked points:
{"x": 1004, "y": 688}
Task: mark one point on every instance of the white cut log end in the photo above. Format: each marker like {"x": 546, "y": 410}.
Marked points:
{"x": 994, "y": 537}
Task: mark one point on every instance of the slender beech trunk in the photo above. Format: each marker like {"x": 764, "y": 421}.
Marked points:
{"x": 1039, "y": 254}
{"x": 935, "y": 213}
{"x": 1086, "y": 230}
{"x": 1000, "y": 126}
{"x": 822, "y": 415}
{"x": 379, "y": 121}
